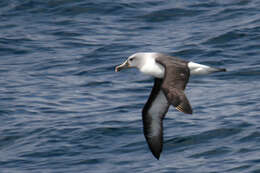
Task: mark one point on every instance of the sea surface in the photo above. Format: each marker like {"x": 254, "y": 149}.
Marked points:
{"x": 63, "y": 108}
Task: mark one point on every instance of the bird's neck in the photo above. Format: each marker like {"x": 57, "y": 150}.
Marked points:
{"x": 151, "y": 67}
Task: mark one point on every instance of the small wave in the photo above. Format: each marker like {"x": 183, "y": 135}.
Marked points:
{"x": 225, "y": 38}
{"x": 170, "y": 14}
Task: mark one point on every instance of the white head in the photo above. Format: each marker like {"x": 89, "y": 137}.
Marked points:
{"x": 136, "y": 60}
{"x": 145, "y": 62}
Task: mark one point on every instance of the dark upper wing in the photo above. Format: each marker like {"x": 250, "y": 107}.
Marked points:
{"x": 153, "y": 114}
{"x": 175, "y": 79}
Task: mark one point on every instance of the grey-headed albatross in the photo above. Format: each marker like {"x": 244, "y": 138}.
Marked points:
{"x": 171, "y": 76}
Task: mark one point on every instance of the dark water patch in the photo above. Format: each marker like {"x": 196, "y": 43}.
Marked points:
{"x": 91, "y": 161}
{"x": 170, "y": 14}
{"x": 239, "y": 168}
{"x": 244, "y": 150}
{"x": 225, "y": 38}
{"x": 6, "y": 141}
{"x": 79, "y": 8}
{"x": 256, "y": 161}
{"x": 78, "y": 44}
{"x": 115, "y": 122}
{"x": 17, "y": 41}
{"x": 235, "y": 11}
{"x": 203, "y": 137}
{"x": 242, "y": 74}
{"x": 98, "y": 84}
{"x": 212, "y": 53}
{"x": 44, "y": 154}
{"x": 12, "y": 162}
{"x": 256, "y": 171}
{"x": 7, "y": 51}
{"x": 132, "y": 147}
{"x": 187, "y": 52}
{"x": 64, "y": 34}
{"x": 217, "y": 152}
{"x": 204, "y": 5}
{"x": 248, "y": 50}
{"x": 254, "y": 136}
{"x": 110, "y": 131}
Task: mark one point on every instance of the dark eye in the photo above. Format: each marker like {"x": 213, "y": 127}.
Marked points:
{"x": 131, "y": 59}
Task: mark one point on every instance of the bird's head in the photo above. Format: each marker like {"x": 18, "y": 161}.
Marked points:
{"x": 134, "y": 61}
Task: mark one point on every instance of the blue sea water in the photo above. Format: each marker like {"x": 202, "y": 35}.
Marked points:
{"x": 64, "y": 109}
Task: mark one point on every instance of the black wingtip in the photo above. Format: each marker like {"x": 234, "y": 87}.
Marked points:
{"x": 223, "y": 69}
{"x": 219, "y": 70}
{"x": 215, "y": 70}
{"x": 156, "y": 151}
{"x": 156, "y": 155}
{"x": 155, "y": 147}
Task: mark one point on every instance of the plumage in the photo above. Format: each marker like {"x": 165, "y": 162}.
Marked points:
{"x": 153, "y": 113}
{"x": 171, "y": 76}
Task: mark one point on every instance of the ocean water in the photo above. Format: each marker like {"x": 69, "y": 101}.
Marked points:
{"x": 64, "y": 109}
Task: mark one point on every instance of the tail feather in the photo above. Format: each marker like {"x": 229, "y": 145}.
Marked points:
{"x": 198, "y": 69}
{"x": 218, "y": 69}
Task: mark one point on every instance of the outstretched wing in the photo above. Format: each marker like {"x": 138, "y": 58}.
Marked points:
{"x": 153, "y": 113}
{"x": 176, "y": 76}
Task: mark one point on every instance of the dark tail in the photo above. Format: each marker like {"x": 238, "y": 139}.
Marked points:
{"x": 222, "y": 69}
{"x": 213, "y": 70}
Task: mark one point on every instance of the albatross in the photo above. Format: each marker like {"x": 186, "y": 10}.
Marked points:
{"x": 171, "y": 76}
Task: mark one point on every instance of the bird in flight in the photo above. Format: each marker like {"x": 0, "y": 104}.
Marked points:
{"x": 171, "y": 76}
